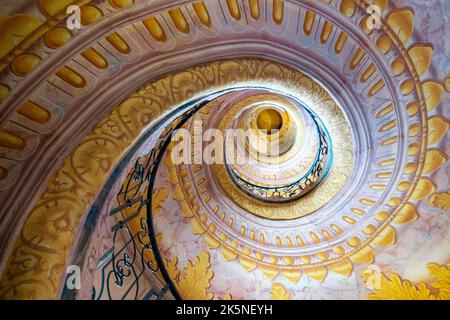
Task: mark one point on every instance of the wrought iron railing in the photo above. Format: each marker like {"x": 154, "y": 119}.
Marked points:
{"x": 302, "y": 186}
{"x": 132, "y": 268}
{"x": 134, "y": 254}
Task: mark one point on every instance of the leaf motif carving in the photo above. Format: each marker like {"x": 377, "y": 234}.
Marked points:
{"x": 441, "y": 200}
{"x": 279, "y": 292}
{"x": 393, "y": 287}
{"x": 159, "y": 197}
{"x": 194, "y": 280}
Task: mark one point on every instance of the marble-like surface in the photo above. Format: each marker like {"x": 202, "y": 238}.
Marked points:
{"x": 418, "y": 243}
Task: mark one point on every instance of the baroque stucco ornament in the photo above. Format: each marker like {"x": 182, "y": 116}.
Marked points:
{"x": 398, "y": 91}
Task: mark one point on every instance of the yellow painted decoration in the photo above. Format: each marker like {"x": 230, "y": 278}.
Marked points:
{"x": 387, "y": 162}
{"x": 72, "y": 77}
{"x": 247, "y": 264}
{"x": 212, "y": 228}
{"x": 160, "y": 196}
{"x": 365, "y": 255}
{"x": 354, "y": 242}
{"x": 327, "y": 235}
{"x": 413, "y": 149}
{"x": 398, "y": 65}
{"x": 344, "y": 267}
{"x": 14, "y": 29}
{"x": 322, "y": 255}
{"x": 394, "y": 202}
{"x": 233, "y": 7}
{"x": 211, "y": 242}
{"x": 197, "y": 226}
{"x": 387, "y": 126}
{"x": 348, "y": 7}
{"x": 382, "y": 216}
{"x": 277, "y": 11}
{"x": 194, "y": 280}
{"x": 421, "y": 55}
{"x": 309, "y": 21}
{"x": 34, "y": 112}
{"x": 384, "y": 43}
{"x": 293, "y": 275}
{"x": 118, "y": 43}
{"x": 386, "y": 110}
{"x": 95, "y": 58}
{"x": 186, "y": 210}
{"x": 279, "y": 292}
{"x": 412, "y": 108}
{"x": 340, "y": 42}
{"x": 357, "y": 57}
{"x": 119, "y": 4}
{"x": 437, "y": 129}
{"x": 349, "y": 220}
{"x": 254, "y": 8}
{"x": 441, "y": 200}
{"x": 3, "y": 173}
{"x": 389, "y": 141}
{"x": 53, "y": 7}
{"x": 326, "y": 31}
{"x": 315, "y": 238}
{"x": 11, "y": 141}
{"x": 414, "y": 129}
{"x": 339, "y": 250}
{"x": 402, "y": 23}
{"x": 316, "y": 273}
{"x": 202, "y": 13}
{"x": 4, "y": 92}
{"x": 155, "y": 29}
{"x": 434, "y": 160}
{"x": 269, "y": 119}
{"x": 403, "y": 185}
{"x": 370, "y": 70}
{"x": 97, "y": 179}
{"x": 433, "y": 92}
{"x": 89, "y": 14}
{"x": 228, "y": 254}
{"x": 305, "y": 259}
{"x": 370, "y": 229}
{"x": 270, "y": 272}
{"x": 367, "y": 202}
{"x": 424, "y": 188}
{"x": 407, "y": 86}
{"x": 386, "y": 238}
{"x": 364, "y": 25}
{"x": 56, "y": 37}
{"x": 407, "y": 214}
{"x": 24, "y": 63}
{"x": 179, "y": 20}
{"x": 396, "y": 288}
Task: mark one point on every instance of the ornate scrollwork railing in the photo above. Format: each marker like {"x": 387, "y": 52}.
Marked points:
{"x": 134, "y": 254}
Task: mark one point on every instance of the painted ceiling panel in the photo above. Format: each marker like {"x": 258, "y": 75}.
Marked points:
{"x": 354, "y": 198}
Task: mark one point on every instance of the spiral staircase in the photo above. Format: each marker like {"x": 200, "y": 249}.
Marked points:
{"x": 353, "y": 204}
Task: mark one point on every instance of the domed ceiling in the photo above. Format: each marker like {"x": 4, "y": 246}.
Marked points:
{"x": 225, "y": 149}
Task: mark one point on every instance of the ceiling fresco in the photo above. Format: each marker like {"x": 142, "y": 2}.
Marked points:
{"x": 353, "y": 204}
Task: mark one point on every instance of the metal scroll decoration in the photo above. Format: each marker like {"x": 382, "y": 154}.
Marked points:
{"x": 134, "y": 259}
{"x": 302, "y": 186}
{"x": 134, "y": 256}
